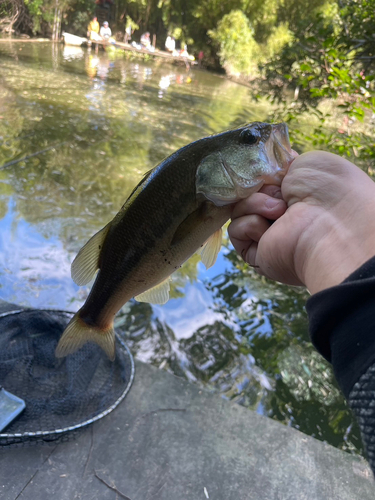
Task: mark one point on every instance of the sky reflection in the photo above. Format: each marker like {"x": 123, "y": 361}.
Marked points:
{"x": 35, "y": 269}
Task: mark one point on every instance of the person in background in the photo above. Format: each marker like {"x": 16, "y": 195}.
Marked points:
{"x": 318, "y": 231}
{"x": 184, "y": 52}
{"x": 145, "y": 40}
{"x": 128, "y": 33}
{"x": 93, "y": 29}
{"x": 200, "y": 58}
{"x": 170, "y": 44}
{"x": 105, "y": 31}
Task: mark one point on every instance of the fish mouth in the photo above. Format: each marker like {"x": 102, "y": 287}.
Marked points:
{"x": 279, "y": 149}
{"x": 224, "y": 181}
{"x": 279, "y": 156}
{"x": 281, "y": 133}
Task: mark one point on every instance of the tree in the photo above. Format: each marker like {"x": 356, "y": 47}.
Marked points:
{"x": 330, "y": 67}
{"x": 238, "y": 51}
{"x": 14, "y": 15}
{"x": 47, "y": 16}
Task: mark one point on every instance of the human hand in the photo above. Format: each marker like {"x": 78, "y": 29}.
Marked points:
{"x": 324, "y": 225}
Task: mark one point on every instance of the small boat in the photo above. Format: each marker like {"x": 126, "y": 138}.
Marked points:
{"x": 70, "y": 39}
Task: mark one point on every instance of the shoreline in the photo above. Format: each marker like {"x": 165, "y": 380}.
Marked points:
{"x": 118, "y": 45}
{"x": 157, "y": 54}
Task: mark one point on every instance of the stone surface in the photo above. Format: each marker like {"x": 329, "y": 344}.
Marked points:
{"x": 169, "y": 440}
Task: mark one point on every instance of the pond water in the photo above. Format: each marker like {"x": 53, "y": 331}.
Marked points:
{"x": 77, "y": 131}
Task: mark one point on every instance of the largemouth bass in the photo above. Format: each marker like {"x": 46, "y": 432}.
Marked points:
{"x": 177, "y": 208}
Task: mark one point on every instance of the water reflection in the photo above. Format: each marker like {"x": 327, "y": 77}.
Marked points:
{"x": 70, "y": 52}
{"x": 79, "y": 132}
{"x": 40, "y": 275}
{"x": 91, "y": 65}
{"x": 164, "y": 83}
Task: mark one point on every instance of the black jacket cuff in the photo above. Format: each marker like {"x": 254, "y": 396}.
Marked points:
{"x": 342, "y": 325}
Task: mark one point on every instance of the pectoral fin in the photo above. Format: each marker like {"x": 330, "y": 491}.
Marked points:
{"x": 211, "y": 249}
{"x": 159, "y": 294}
{"x": 188, "y": 226}
{"x": 86, "y": 263}
{"x": 204, "y": 213}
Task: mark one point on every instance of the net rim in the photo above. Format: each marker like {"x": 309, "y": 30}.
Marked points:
{"x": 89, "y": 421}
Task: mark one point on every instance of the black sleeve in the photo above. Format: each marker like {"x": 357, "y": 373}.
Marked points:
{"x": 342, "y": 328}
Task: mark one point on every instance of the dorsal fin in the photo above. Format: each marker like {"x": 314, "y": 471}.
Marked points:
{"x": 211, "y": 248}
{"x": 86, "y": 263}
{"x": 159, "y": 294}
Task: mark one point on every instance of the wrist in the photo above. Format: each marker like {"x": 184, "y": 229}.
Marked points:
{"x": 337, "y": 251}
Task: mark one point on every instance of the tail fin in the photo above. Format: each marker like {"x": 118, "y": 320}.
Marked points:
{"x": 77, "y": 333}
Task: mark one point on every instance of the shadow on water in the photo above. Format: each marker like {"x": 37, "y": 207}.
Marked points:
{"x": 77, "y": 132}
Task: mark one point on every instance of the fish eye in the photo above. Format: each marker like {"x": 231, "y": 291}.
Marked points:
{"x": 249, "y": 136}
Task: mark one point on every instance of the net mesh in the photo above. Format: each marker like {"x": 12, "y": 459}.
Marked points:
{"x": 64, "y": 395}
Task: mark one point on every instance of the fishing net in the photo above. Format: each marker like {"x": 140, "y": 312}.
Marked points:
{"x": 62, "y": 396}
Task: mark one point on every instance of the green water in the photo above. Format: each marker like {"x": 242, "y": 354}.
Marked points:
{"x": 77, "y": 131}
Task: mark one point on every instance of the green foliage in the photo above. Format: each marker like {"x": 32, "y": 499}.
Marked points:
{"x": 130, "y": 23}
{"x": 329, "y": 12}
{"x": 330, "y": 65}
{"x": 80, "y": 22}
{"x": 43, "y": 12}
{"x": 177, "y": 33}
{"x": 77, "y": 15}
{"x": 279, "y": 37}
{"x": 35, "y": 8}
{"x": 238, "y": 51}
{"x": 300, "y": 13}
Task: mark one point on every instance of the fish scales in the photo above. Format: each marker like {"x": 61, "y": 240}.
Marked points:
{"x": 174, "y": 210}
{"x": 143, "y": 222}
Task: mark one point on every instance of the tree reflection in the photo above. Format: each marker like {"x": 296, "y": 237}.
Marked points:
{"x": 273, "y": 331}
{"x": 258, "y": 354}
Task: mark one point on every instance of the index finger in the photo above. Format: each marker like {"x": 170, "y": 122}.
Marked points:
{"x": 261, "y": 204}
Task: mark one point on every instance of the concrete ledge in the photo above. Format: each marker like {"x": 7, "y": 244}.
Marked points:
{"x": 169, "y": 440}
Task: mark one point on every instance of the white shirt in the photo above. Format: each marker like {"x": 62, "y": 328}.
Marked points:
{"x": 105, "y": 32}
